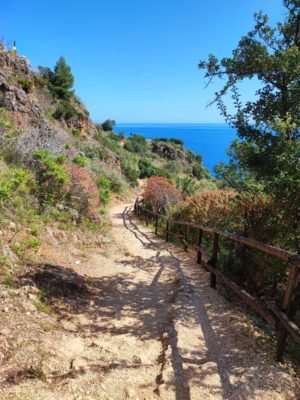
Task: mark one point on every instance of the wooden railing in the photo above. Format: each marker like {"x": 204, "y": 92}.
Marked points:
{"x": 275, "y": 315}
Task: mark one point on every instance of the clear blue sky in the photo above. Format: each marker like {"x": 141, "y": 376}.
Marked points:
{"x": 134, "y": 60}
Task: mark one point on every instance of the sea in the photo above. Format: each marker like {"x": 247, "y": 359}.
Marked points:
{"x": 209, "y": 140}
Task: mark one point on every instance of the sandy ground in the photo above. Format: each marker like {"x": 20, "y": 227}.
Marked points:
{"x": 148, "y": 327}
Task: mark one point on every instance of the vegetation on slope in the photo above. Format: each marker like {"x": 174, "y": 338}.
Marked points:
{"x": 57, "y": 165}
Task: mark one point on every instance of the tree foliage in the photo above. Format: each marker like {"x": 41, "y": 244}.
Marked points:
{"x": 266, "y": 155}
{"x": 108, "y": 125}
{"x": 63, "y": 77}
{"x": 60, "y": 81}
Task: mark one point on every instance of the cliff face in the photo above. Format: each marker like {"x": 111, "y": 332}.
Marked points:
{"x": 27, "y": 103}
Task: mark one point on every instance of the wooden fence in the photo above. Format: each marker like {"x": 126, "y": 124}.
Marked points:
{"x": 275, "y": 315}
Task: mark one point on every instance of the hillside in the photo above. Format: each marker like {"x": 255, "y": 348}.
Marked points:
{"x": 37, "y": 114}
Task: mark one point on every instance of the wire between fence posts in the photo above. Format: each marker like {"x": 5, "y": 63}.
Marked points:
{"x": 286, "y": 304}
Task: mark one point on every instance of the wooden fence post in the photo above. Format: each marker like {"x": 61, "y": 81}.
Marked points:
{"x": 186, "y": 236}
{"x": 213, "y": 260}
{"x": 156, "y": 224}
{"x": 287, "y": 300}
{"x": 167, "y": 231}
{"x": 199, "y": 243}
{"x": 136, "y": 207}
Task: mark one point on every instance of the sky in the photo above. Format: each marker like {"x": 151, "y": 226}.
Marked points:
{"x": 135, "y": 60}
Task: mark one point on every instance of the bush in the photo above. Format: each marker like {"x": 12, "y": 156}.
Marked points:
{"x": 130, "y": 170}
{"x": 136, "y": 144}
{"x": 83, "y": 193}
{"x": 187, "y": 185}
{"x": 51, "y": 177}
{"x": 104, "y": 186}
{"x": 173, "y": 167}
{"x": 14, "y": 182}
{"x": 199, "y": 171}
{"x": 166, "y": 149}
{"x": 179, "y": 142}
{"x": 76, "y": 132}
{"x": 27, "y": 85}
{"x": 146, "y": 168}
{"x": 6, "y": 118}
{"x": 251, "y": 215}
{"x": 80, "y": 160}
{"x": 117, "y": 181}
{"x": 108, "y": 125}
{"x": 65, "y": 111}
{"x": 160, "y": 194}
{"x": 209, "y": 208}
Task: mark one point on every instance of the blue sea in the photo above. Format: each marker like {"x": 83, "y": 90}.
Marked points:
{"x": 210, "y": 140}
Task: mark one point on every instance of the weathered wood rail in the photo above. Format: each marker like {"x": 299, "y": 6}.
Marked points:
{"x": 275, "y": 315}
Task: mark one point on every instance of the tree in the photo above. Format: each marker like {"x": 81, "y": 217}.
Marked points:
{"x": 63, "y": 77}
{"x": 108, "y": 125}
{"x": 59, "y": 81}
{"x": 267, "y": 151}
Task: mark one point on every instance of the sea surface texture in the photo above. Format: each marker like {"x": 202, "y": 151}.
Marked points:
{"x": 210, "y": 140}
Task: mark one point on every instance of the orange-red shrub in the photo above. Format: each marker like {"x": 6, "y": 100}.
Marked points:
{"x": 160, "y": 194}
{"x": 208, "y": 208}
{"x": 84, "y": 191}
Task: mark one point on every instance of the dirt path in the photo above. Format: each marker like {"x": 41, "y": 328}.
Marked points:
{"x": 149, "y": 327}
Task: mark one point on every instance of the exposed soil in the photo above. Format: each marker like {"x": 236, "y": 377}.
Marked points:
{"x": 132, "y": 319}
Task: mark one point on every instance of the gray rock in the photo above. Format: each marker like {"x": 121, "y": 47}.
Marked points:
{"x": 50, "y": 236}
{"x": 7, "y": 251}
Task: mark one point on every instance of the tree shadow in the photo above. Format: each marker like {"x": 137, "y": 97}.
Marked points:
{"x": 123, "y": 305}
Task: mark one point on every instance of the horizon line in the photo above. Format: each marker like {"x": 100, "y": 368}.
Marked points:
{"x": 172, "y": 123}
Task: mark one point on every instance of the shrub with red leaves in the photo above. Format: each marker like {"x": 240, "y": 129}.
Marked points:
{"x": 83, "y": 190}
{"x": 249, "y": 214}
{"x": 208, "y": 208}
{"x": 160, "y": 194}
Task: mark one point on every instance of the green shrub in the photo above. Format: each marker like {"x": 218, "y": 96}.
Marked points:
{"x": 27, "y": 243}
{"x": 65, "y": 111}
{"x": 187, "y": 185}
{"x": 146, "y": 168}
{"x": 93, "y": 152}
{"x": 76, "y": 132}
{"x": 27, "y": 85}
{"x": 130, "y": 170}
{"x": 117, "y": 183}
{"x": 61, "y": 159}
{"x": 200, "y": 172}
{"x": 6, "y": 118}
{"x": 14, "y": 182}
{"x": 104, "y": 186}
{"x": 51, "y": 178}
{"x": 173, "y": 167}
{"x": 108, "y": 125}
{"x": 136, "y": 144}
{"x": 178, "y": 142}
{"x": 80, "y": 160}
